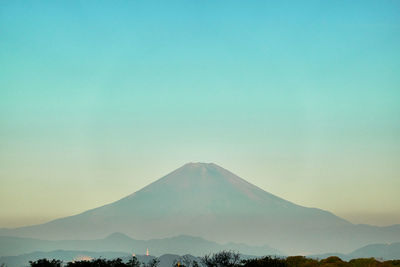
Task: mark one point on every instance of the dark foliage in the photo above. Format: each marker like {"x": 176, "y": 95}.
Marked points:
{"x": 300, "y": 261}
{"x": 185, "y": 261}
{"x": 95, "y": 263}
{"x": 226, "y": 259}
{"x": 222, "y": 259}
{"x": 45, "y": 263}
{"x": 266, "y": 261}
{"x": 133, "y": 262}
{"x": 153, "y": 263}
{"x": 98, "y": 263}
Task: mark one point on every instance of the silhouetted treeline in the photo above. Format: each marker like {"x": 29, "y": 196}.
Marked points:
{"x": 133, "y": 262}
{"x": 226, "y": 259}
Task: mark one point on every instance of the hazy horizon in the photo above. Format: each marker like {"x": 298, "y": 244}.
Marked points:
{"x": 99, "y": 99}
{"x": 44, "y": 220}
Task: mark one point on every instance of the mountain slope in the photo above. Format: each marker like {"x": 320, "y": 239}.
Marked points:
{"x": 378, "y": 251}
{"x": 206, "y": 200}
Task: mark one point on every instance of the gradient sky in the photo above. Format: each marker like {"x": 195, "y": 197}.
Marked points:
{"x": 100, "y": 98}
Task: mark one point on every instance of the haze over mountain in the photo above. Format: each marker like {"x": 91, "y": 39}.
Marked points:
{"x": 117, "y": 242}
{"x": 378, "y": 251}
{"x": 206, "y": 200}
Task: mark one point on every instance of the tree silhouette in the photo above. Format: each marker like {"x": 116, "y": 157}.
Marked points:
{"x": 185, "y": 261}
{"x": 153, "y": 263}
{"x": 225, "y": 259}
{"x": 45, "y": 263}
{"x": 222, "y": 259}
{"x": 133, "y": 262}
{"x": 266, "y": 261}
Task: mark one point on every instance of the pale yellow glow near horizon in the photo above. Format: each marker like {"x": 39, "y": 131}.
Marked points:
{"x": 39, "y": 202}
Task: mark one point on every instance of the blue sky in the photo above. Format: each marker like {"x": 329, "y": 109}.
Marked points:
{"x": 99, "y": 98}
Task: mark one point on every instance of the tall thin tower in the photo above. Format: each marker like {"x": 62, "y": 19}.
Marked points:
{"x": 147, "y": 252}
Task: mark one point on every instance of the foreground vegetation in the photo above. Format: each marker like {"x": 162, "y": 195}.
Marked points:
{"x": 225, "y": 259}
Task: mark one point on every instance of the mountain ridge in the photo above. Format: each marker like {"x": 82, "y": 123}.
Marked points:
{"x": 377, "y": 251}
{"x": 119, "y": 242}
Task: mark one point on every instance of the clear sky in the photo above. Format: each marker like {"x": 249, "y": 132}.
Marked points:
{"x": 100, "y": 98}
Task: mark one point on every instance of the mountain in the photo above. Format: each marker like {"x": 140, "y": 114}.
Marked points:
{"x": 377, "y": 251}
{"x": 206, "y": 200}
{"x": 117, "y": 242}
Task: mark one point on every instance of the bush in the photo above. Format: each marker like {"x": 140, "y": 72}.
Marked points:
{"x": 222, "y": 259}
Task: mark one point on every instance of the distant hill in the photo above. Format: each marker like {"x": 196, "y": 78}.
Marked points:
{"x": 63, "y": 255}
{"x": 378, "y": 251}
{"x": 208, "y": 201}
{"x": 117, "y": 242}
{"x": 166, "y": 260}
